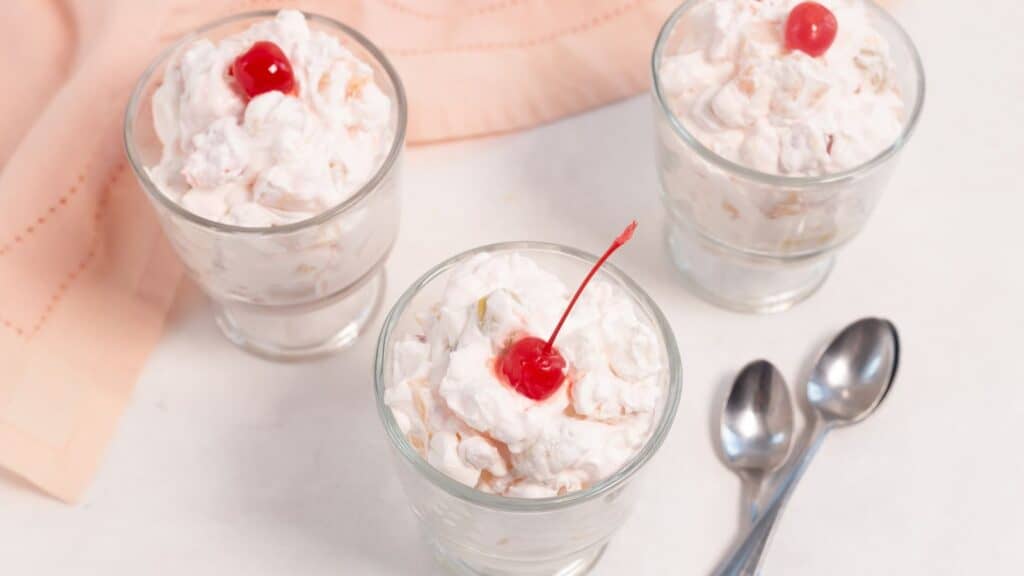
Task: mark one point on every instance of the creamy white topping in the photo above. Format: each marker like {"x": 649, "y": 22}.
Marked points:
{"x": 276, "y": 158}
{"x": 741, "y": 93}
{"x": 469, "y": 423}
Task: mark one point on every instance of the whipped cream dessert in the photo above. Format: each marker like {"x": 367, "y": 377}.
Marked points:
{"x": 741, "y": 92}
{"x": 275, "y": 158}
{"x": 450, "y": 401}
{"x": 261, "y": 121}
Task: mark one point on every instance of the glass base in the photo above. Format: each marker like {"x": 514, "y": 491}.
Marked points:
{"x": 306, "y": 331}
{"x": 742, "y": 282}
{"x": 576, "y": 565}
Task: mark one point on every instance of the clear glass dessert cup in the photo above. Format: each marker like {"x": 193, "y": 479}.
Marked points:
{"x": 473, "y": 532}
{"x": 289, "y": 291}
{"x": 757, "y": 242}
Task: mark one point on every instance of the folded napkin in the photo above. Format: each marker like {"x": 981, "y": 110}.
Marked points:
{"x": 85, "y": 275}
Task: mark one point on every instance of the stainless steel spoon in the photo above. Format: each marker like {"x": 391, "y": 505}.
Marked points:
{"x": 849, "y": 381}
{"x": 756, "y": 429}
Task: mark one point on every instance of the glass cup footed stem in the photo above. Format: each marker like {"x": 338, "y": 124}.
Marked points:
{"x": 758, "y": 242}
{"x": 476, "y": 533}
{"x": 294, "y": 290}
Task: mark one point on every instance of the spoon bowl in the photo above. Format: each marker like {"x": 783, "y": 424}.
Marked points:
{"x": 853, "y": 375}
{"x": 757, "y": 420}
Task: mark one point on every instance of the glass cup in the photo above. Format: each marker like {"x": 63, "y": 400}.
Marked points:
{"x": 473, "y": 532}
{"x": 295, "y": 290}
{"x": 758, "y": 242}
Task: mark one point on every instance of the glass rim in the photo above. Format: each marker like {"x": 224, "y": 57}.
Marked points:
{"x": 779, "y": 179}
{"x": 509, "y": 503}
{"x": 397, "y": 143}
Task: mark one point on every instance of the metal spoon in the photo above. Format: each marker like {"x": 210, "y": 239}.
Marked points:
{"x": 756, "y": 429}
{"x": 848, "y": 383}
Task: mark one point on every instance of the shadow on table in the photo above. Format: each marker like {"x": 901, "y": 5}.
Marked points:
{"x": 320, "y": 472}
{"x": 602, "y": 185}
{"x": 14, "y": 484}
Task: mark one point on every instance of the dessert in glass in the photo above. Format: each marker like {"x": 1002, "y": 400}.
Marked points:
{"x": 519, "y": 451}
{"x": 778, "y": 124}
{"x": 269, "y": 144}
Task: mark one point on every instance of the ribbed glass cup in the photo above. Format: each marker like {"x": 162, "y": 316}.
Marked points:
{"x": 759, "y": 242}
{"x": 295, "y": 290}
{"x": 475, "y": 533}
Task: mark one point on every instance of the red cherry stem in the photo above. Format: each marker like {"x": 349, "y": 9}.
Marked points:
{"x": 626, "y": 235}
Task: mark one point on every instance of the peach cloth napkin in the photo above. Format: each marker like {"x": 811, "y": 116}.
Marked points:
{"x": 85, "y": 275}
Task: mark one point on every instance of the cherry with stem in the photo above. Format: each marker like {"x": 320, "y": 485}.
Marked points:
{"x": 534, "y": 367}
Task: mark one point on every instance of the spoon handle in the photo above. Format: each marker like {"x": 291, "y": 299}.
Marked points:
{"x": 745, "y": 556}
{"x": 751, "y": 488}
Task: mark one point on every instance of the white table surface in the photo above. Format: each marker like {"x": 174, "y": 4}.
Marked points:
{"x": 227, "y": 464}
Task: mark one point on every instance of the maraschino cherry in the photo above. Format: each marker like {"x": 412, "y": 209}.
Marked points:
{"x": 534, "y": 367}
{"x": 263, "y": 68}
{"x": 811, "y": 28}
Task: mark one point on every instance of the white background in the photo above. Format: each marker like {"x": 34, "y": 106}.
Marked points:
{"x": 227, "y": 464}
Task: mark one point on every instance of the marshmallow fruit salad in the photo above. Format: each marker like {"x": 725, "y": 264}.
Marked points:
{"x": 785, "y": 87}
{"x": 487, "y": 397}
{"x": 270, "y": 126}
